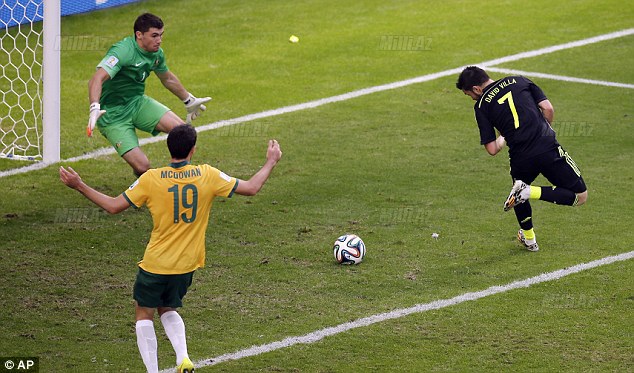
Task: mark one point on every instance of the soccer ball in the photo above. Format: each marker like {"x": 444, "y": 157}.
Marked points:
{"x": 349, "y": 249}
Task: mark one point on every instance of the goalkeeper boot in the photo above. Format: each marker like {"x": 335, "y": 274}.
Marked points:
{"x": 186, "y": 366}
{"x": 519, "y": 194}
{"x": 530, "y": 245}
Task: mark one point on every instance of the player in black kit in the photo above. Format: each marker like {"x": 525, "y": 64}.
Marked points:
{"x": 520, "y": 112}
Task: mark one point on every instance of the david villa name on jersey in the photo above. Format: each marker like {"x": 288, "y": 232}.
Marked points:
{"x": 501, "y": 85}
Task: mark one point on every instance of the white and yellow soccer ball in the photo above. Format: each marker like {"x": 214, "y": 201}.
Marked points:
{"x": 349, "y": 249}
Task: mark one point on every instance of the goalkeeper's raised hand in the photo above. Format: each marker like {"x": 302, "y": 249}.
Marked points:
{"x": 195, "y": 106}
{"x": 95, "y": 113}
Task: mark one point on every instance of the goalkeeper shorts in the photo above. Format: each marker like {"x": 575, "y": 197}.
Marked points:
{"x": 120, "y": 122}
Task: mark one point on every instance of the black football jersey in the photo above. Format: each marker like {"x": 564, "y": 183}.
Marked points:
{"x": 510, "y": 105}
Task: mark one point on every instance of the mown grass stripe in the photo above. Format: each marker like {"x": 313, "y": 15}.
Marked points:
{"x": 338, "y": 98}
{"x": 419, "y": 308}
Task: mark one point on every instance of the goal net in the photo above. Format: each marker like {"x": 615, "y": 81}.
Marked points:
{"x": 23, "y": 80}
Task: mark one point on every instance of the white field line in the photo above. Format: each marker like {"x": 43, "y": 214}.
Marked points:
{"x": 419, "y": 308}
{"x": 560, "y": 77}
{"x": 556, "y": 48}
{"x": 338, "y": 98}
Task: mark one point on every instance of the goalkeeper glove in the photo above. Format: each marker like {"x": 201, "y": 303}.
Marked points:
{"x": 95, "y": 113}
{"x": 194, "y": 106}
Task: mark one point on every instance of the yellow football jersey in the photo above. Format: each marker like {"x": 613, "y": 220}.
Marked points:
{"x": 179, "y": 198}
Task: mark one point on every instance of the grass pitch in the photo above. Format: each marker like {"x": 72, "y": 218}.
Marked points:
{"x": 392, "y": 167}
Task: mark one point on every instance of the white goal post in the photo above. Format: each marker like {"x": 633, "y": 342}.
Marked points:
{"x": 30, "y": 80}
{"x": 51, "y": 79}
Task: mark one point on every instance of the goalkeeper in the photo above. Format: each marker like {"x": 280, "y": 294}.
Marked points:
{"x": 118, "y": 105}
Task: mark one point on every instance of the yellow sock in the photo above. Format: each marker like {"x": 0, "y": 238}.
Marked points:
{"x": 529, "y": 234}
{"x": 536, "y": 192}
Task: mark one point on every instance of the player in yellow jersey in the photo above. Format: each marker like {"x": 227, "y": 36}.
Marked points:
{"x": 179, "y": 198}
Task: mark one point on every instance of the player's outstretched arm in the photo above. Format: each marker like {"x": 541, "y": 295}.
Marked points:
{"x": 252, "y": 186}
{"x": 171, "y": 82}
{"x": 112, "y": 205}
{"x": 193, "y": 104}
{"x": 95, "y": 86}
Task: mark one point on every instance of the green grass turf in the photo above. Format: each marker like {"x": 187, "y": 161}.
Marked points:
{"x": 393, "y": 167}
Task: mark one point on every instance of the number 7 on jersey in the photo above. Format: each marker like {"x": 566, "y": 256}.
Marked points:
{"x": 509, "y": 97}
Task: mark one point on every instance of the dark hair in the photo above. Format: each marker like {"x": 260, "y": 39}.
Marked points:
{"x": 181, "y": 140}
{"x": 147, "y": 20}
{"x": 471, "y": 76}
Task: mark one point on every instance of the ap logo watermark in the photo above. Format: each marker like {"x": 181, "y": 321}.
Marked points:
{"x": 19, "y": 364}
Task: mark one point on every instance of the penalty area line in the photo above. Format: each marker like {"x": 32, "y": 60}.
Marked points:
{"x": 339, "y": 98}
{"x": 560, "y": 77}
{"x": 419, "y": 308}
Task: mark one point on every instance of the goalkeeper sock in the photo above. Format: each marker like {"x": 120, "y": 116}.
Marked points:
{"x": 558, "y": 196}
{"x": 146, "y": 340}
{"x": 175, "y": 330}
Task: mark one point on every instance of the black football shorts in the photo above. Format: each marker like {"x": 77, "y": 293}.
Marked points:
{"x": 556, "y": 165}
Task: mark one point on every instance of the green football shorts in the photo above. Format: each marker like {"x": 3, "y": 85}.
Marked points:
{"x": 120, "y": 122}
{"x": 153, "y": 291}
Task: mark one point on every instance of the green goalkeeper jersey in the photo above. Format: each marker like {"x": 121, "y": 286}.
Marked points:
{"x": 128, "y": 66}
